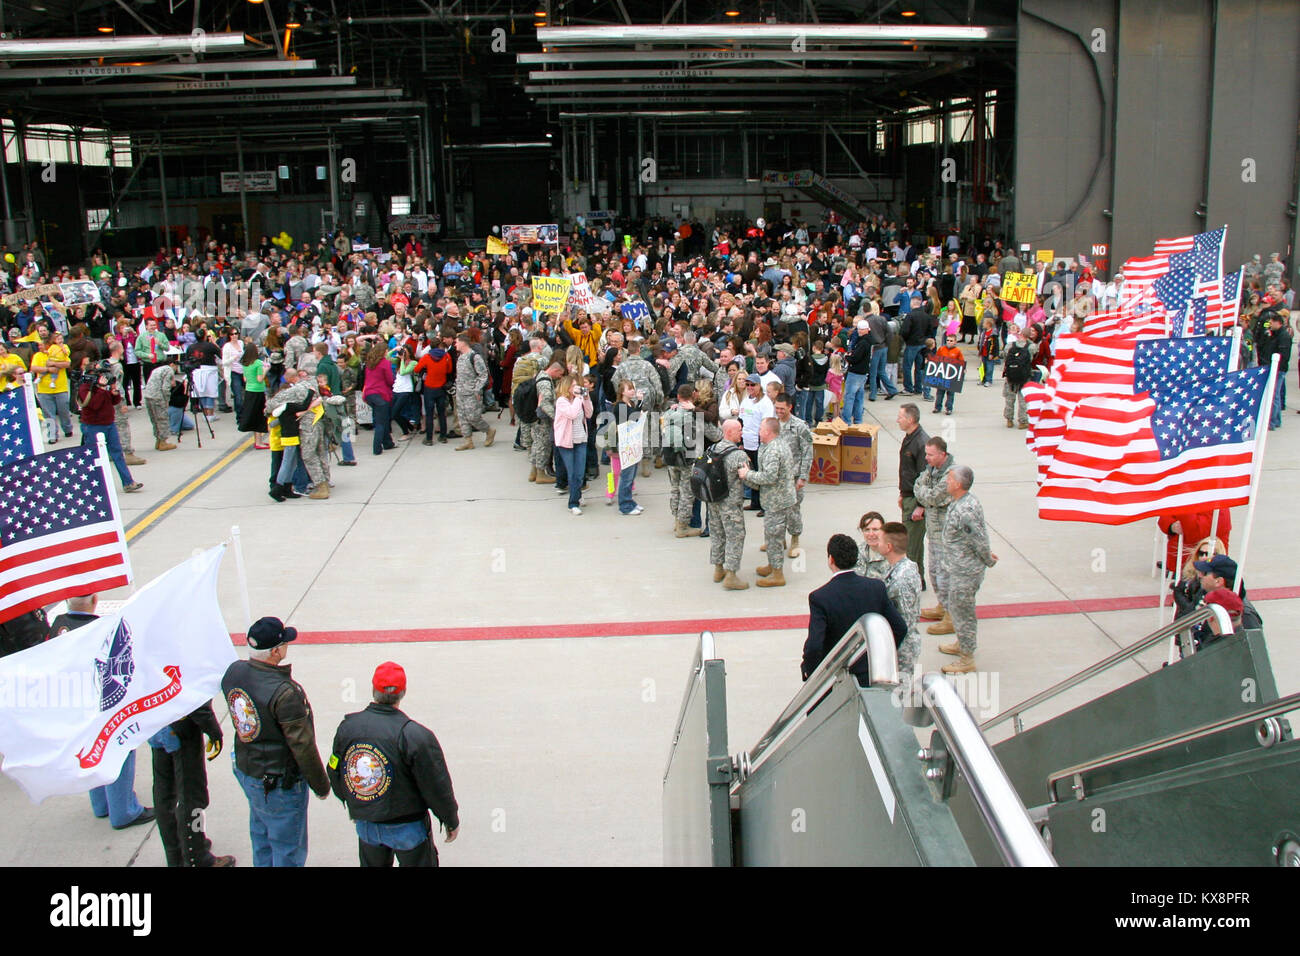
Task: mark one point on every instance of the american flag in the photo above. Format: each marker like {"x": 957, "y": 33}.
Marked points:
{"x": 60, "y": 533}
{"x": 1205, "y": 258}
{"x": 1166, "y": 247}
{"x": 1127, "y": 322}
{"x": 1187, "y": 446}
{"x": 1175, "y": 290}
{"x": 1222, "y": 302}
{"x": 20, "y": 432}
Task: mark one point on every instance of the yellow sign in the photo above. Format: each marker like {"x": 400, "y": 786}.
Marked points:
{"x": 1019, "y": 287}
{"x": 550, "y": 293}
{"x": 1044, "y": 255}
{"x": 495, "y": 247}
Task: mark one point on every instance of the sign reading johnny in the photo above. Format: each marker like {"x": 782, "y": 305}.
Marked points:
{"x": 947, "y": 375}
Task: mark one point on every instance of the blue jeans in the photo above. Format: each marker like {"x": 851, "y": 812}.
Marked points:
{"x": 113, "y": 444}
{"x": 987, "y": 365}
{"x": 237, "y": 392}
{"x": 626, "y": 477}
{"x": 575, "y": 462}
{"x": 117, "y": 801}
{"x": 879, "y": 360}
{"x": 435, "y": 399}
{"x": 277, "y": 822}
{"x": 939, "y": 396}
{"x": 348, "y": 453}
{"x": 178, "y": 419}
{"x": 1279, "y": 401}
{"x": 854, "y": 386}
{"x": 383, "y": 411}
{"x": 814, "y": 405}
{"x": 404, "y": 411}
{"x": 912, "y": 375}
{"x": 288, "y": 465}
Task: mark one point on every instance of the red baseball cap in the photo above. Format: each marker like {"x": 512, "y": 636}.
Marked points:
{"x": 389, "y": 678}
{"x": 1229, "y": 600}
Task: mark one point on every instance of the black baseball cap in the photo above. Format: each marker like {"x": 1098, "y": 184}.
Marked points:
{"x": 269, "y": 632}
{"x": 1220, "y": 565}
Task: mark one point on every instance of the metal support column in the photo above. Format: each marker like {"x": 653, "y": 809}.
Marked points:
{"x": 10, "y": 233}
{"x": 744, "y": 153}
{"x": 162, "y": 185}
{"x": 410, "y": 173}
{"x": 592, "y": 188}
{"x": 334, "y": 181}
{"x": 29, "y": 214}
{"x": 640, "y": 155}
{"x": 243, "y": 196}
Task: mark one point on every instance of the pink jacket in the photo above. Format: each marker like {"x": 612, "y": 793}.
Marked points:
{"x": 571, "y": 421}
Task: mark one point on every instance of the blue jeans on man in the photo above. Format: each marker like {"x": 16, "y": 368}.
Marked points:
{"x": 117, "y": 800}
{"x": 1279, "y": 402}
{"x": 277, "y": 822}
{"x": 113, "y": 445}
{"x": 854, "y": 387}
{"x": 879, "y": 363}
{"x": 178, "y": 419}
{"x": 435, "y": 399}
{"x": 913, "y": 370}
{"x": 411, "y": 843}
{"x": 814, "y": 405}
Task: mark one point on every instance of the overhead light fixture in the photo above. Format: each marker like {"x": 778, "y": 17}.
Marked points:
{"x": 549, "y": 135}
{"x": 540, "y": 14}
{"x": 254, "y": 1}
{"x": 293, "y": 23}
{"x": 733, "y": 13}
{"x": 104, "y": 25}
{"x": 907, "y": 13}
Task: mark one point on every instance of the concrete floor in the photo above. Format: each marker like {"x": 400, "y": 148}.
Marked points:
{"x": 557, "y": 745}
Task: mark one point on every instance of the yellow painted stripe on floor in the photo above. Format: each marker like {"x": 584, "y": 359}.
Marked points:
{"x": 188, "y": 490}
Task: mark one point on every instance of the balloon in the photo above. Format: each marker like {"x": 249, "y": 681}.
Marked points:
{"x": 9, "y": 257}
{"x": 761, "y": 223}
{"x": 496, "y": 230}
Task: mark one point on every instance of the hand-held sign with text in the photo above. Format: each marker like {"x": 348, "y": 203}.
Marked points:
{"x": 1019, "y": 287}
{"x": 550, "y": 293}
{"x": 947, "y": 375}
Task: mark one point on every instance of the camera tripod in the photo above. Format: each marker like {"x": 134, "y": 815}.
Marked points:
{"x": 195, "y": 406}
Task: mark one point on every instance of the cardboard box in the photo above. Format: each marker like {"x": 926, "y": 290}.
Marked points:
{"x": 836, "y": 426}
{"x": 858, "y": 453}
{"x": 826, "y": 460}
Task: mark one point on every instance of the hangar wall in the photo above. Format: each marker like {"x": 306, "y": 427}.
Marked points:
{"x": 1135, "y": 121}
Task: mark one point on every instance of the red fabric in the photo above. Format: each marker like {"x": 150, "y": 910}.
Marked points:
{"x": 1196, "y": 528}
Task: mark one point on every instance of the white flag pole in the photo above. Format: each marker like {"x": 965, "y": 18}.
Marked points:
{"x": 33, "y": 418}
{"x": 1235, "y": 357}
{"x": 242, "y": 572}
{"x": 1261, "y": 439}
{"x": 110, "y": 488}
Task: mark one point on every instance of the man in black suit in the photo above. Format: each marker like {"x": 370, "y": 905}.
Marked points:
{"x": 836, "y": 606}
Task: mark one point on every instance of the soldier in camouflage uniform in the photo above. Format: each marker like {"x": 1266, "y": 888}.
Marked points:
{"x": 776, "y": 478}
{"x": 871, "y": 564}
{"x": 966, "y": 556}
{"x": 680, "y": 438}
{"x": 526, "y": 367}
{"x": 542, "y": 447}
{"x": 157, "y": 398}
{"x": 636, "y": 369}
{"x": 1273, "y": 271}
{"x": 471, "y": 378}
{"x": 903, "y": 585}
{"x": 798, "y": 437}
{"x": 119, "y": 410}
{"x": 1252, "y": 272}
{"x": 690, "y": 355}
{"x": 311, "y": 431}
{"x": 931, "y": 491}
{"x": 727, "y": 517}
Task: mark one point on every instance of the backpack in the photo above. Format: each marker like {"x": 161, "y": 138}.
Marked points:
{"x": 525, "y": 401}
{"x": 675, "y": 444}
{"x": 709, "y": 475}
{"x": 1016, "y": 365}
{"x": 683, "y": 376}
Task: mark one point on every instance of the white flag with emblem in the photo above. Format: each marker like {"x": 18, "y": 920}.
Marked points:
{"x": 73, "y": 708}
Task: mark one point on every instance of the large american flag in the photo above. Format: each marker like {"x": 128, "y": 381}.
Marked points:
{"x": 1166, "y": 247}
{"x": 60, "y": 533}
{"x": 20, "y": 432}
{"x": 1182, "y": 441}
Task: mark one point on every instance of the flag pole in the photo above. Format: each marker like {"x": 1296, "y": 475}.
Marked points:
{"x": 1261, "y": 439}
{"x": 110, "y": 488}
{"x": 33, "y": 419}
{"x": 242, "y": 572}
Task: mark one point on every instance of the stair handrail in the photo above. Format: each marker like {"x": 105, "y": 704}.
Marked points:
{"x": 999, "y": 806}
{"x": 704, "y": 651}
{"x": 1176, "y": 626}
{"x": 1274, "y": 708}
{"x": 870, "y": 634}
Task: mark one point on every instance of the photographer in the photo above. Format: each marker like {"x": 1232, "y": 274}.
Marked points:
{"x": 98, "y": 396}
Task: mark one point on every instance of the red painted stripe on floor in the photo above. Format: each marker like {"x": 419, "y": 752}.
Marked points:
{"x": 780, "y": 622}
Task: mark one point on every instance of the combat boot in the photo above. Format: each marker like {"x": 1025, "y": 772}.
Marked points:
{"x": 491, "y": 437}
{"x": 764, "y": 571}
{"x": 684, "y": 530}
{"x": 954, "y": 649}
{"x": 718, "y": 573}
{"x": 164, "y": 445}
{"x": 532, "y": 473}
{"x": 943, "y": 627}
{"x": 964, "y": 664}
{"x": 732, "y": 583}
{"x": 793, "y": 550}
{"x": 133, "y": 459}
{"x": 935, "y": 613}
{"x": 466, "y": 445}
{"x": 321, "y": 491}
{"x": 774, "y": 580}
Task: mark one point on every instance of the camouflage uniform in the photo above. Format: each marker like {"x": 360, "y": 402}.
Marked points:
{"x": 542, "y": 446}
{"x": 471, "y": 377}
{"x": 119, "y": 410}
{"x": 870, "y": 564}
{"x": 1252, "y": 271}
{"x": 641, "y": 373}
{"x": 311, "y": 434}
{"x": 526, "y": 367}
{"x": 775, "y": 477}
{"x": 966, "y": 556}
{"x": 157, "y": 395}
{"x": 1273, "y": 272}
{"x": 798, "y": 437}
{"x": 903, "y": 585}
{"x": 694, "y": 360}
{"x": 293, "y": 350}
{"x": 679, "y": 430}
{"x": 931, "y": 491}
{"x": 726, "y": 517}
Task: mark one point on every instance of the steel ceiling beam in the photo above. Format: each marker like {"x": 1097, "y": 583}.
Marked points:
{"x": 787, "y": 33}
{"x": 565, "y": 76}
{"x": 154, "y": 69}
{"x": 97, "y": 47}
{"x": 238, "y": 99}
{"x": 727, "y": 56}
{"x": 751, "y": 88}
{"x": 324, "y": 107}
{"x": 197, "y": 86}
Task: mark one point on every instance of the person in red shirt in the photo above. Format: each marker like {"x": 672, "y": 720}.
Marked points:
{"x": 1193, "y": 528}
{"x": 435, "y": 365}
{"x": 952, "y": 354}
{"x": 99, "y": 397}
